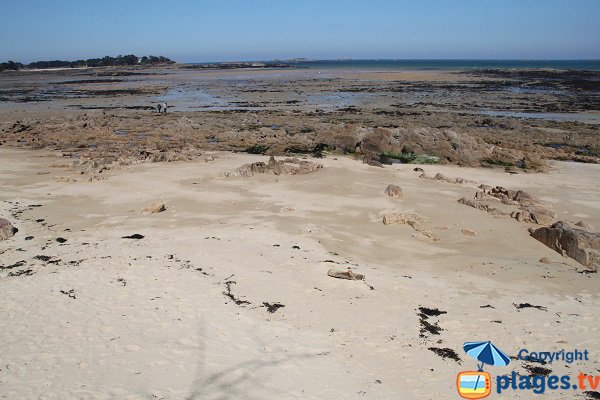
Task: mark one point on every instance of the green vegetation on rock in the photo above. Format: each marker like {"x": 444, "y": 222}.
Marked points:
{"x": 412, "y": 158}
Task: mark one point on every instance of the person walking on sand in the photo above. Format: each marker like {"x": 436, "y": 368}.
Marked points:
{"x": 159, "y": 107}
{"x": 164, "y": 107}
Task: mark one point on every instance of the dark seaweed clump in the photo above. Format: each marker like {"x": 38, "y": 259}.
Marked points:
{"x": 228, "y": 293}
{"x": 430, "y": 312}
{"x": 426, "y": 326}
{"x": 527, "y": 305}
{"x": 272, "y": 308}
{"x": 445, "y": 352}
{"x": 136, "y": 236}
{"x": 535, "y": 370}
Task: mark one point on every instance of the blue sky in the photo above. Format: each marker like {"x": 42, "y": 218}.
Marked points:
{"x": 225, "y": 30}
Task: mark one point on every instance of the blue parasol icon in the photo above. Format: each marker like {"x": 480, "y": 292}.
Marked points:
{"x": 487, "y": 353}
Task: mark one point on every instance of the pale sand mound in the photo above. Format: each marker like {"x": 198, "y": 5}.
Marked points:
{"x": 224, "y": 296}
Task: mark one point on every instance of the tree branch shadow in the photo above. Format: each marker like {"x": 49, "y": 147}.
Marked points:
{"x": 236, "y": 381}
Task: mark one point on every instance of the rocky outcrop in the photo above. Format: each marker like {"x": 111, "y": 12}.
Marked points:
{"x": 449, "y": 146}
{"x": 172, "y": 137}
{"x": 415, "y": 221}
{"x": 7, "y": 230}
{"x": 506, "y": 196}
{"x": 372, "y": 161}
{"x": 284, "y": 129}
{"x": 289, "y": 166}
{"x": 535, "y": 215}
{"x": 517, "y": 204}
{"x": 579, "y": 244}
{"x": 99, "y": 161}
{"x": 394, "y": 191}
{"x": 376, "y": 142}
{"x": 483, "y": 206}
{"x": 533, "y": 162}
{"x": 444, "y": 178}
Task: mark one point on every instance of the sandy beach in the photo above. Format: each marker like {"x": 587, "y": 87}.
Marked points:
{"x": 313, "y": 200}
{"x": 227, "y": 295}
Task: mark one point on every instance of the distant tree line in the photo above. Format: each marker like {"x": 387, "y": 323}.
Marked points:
{"x": 10, "y": 66}
{"x": 92, "y": 62}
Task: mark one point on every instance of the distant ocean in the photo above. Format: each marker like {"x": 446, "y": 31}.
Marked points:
{"x": 448, "y": 64}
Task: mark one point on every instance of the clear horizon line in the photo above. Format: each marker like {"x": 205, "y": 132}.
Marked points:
{"x": 309, "y": 59}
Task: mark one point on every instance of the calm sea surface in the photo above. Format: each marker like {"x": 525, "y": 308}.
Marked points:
{"x": 449, "y": 64}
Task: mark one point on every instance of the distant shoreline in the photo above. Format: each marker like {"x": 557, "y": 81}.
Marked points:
{"x": 346, "y": 65}
{"x": 399, "y": 65}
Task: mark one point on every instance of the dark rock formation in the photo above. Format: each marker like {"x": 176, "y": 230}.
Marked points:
{"x": 579, "y": 244}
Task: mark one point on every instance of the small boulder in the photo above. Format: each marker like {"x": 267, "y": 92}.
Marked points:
{"x": 441, "y": 177}
{"x": 7, "y": 230}
{"x": 372, "y": 161}
{"x": 348, "y": 274}
{"x": 545, "y": 260}
{"x": 394, "y": 191}
{"x": 396, "y": 218}
{"x": 468, "y": 232}
{"x": 584, "y": 225}
{"x": 154, "y": 208}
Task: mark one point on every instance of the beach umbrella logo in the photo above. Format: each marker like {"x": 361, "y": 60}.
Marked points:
{"x": 478, "y": 384}
{"x": 486, "y": 353}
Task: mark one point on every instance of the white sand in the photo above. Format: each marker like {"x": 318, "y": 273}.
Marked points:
{"x": 144, "y": 325}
